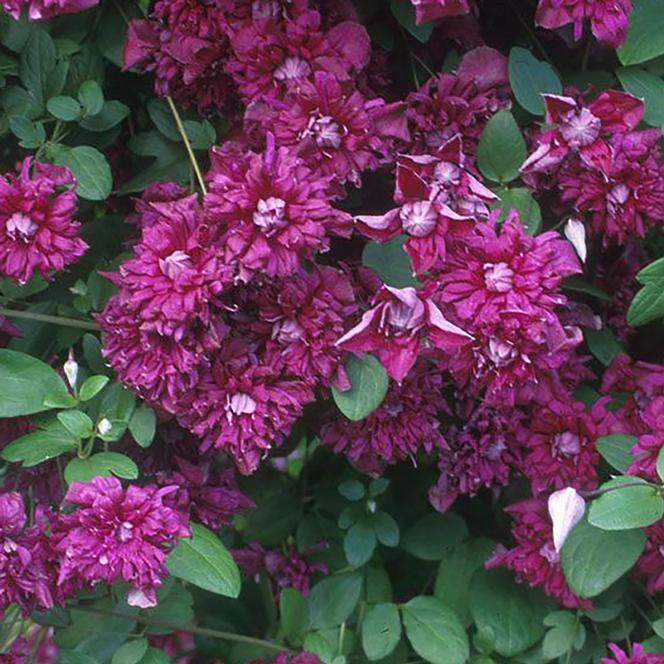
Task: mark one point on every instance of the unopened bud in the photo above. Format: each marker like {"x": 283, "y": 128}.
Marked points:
{"x": 104, "y": 426}
{"x": 71, "y": 370}
{"x": 575, "y": 232}
{"x": 566, "y": 508}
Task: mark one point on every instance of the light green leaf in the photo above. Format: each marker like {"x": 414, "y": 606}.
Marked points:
{"x": 294, "y": 615}
{"x": 36, "y": 64}
{"x": 131, "y": 652}
{"x": 92, "y": 387}
{"x": 31, "y": 134}
{"x": 359, "y": 543}
{"x": 332, "y": 600}
{"x": 369, "y": 383}
{"x": 593, "y": 559}
{"x": 77, "y": 423}
{"x": 25, "y": 382}
{"x": 103, "y": 464}
{"x": 91, "y": 97}
{"x": 615, "y": 449}
{"x": 530, "y": 78}
{"x": 64, "y": 108}
{"x": 647, "y": 305}
{"x": 648, "y": 87}
{"x": 435, "y": 632}
{"x": 629, "y": 503}
{"x": 501, "y": 149}
{"x": 660, "y": 464}
{"x": 652, "y": 273}
{"x": 204, "y": 561}
{"x": 390, "y": 262}
{"x": 645, "y": 39}
{"x": 91, "y": 170}
{"x": 381, "y": 631}
{"x": 142, "y": 425}
{"x": 521, "y": 200}
{"x": 39, "y": 446}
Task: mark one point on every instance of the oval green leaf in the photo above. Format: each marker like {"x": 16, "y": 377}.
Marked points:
{"x": 91, "y": 170}
{"x": 502, "y": 148}
{"x": 332, "y": 600}
{"x": 381, "y": 631}
{"x": 369, "y": 383}
{"x": 628, "y": 503}
{"x": 530, "y": 78}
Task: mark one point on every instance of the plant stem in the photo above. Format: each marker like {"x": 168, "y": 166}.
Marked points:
{"x": 187, "y": 144}
{"x": 599, "y": 492}
{"x": 53, "y": 320}
{"x": 202, "y": 631}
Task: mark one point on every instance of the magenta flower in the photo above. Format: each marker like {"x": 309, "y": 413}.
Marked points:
{"x": 174, "y": 276}
{"x": 649, "y": 444}
{"x": 620, "y": 185}
{"x": 303, "y": 317}
{"x": 439, "y": 201}
{"x": 405, "y": 423}
{"x": 117, "y": 534}
{"x": 43, "y": 10}
{"x": 394, "y": 326}
{"x": 503, "y": 289}
{"x": 650, "y": 566}
{"x": 638, "y": 656}
{"x": 559, "y": 444}
{"x": 334, "y": 128}
{"x": 158, "y": 192}
{"x": 271, "y": 59}
{"x": 482, "y": 453}
{"x": 578, "y": 126}
{"x": 245, "y": 405}
{"x": 431, "y": 10}
{"x": 270, "y": 211}
{"x": 461, "y": 103}
{"x": 534, "y": 558}
{"x": 38, "y": 231}
{"x": 184, "y": 44}
{"x": 26, "y": 573}
{"x": 609, "y": 19}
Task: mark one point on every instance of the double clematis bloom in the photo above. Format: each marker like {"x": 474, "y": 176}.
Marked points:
{"x": 395, "y": 326}
{"x": 432, "y": 10}
{"x": 43, "y": 10}
{"x": 38, "y": 232}
{"x": 609, "y": 19}
{"x": 117, "y": 534}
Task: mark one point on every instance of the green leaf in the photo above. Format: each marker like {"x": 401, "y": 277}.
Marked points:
{"x": 274, "y": 519}
{"x": 530, "y": 78}
{"x": 629, "y": 503}
{"x": 404, "y": 12}
{"x": 92, "y": 387}
{"x": 514, "y": 612}
{"x": 294, "y": 615}
{"x": 433, "y": 535}
{"x": 352, "y": 490}
{"x": 204, "y": 561}
{"x": 77, "y": 423}
{"x": 37, "y": 62}
{"x": 73, "y": 657}
{"x": 369, "y": 383}
{"x": 155, "y": 656}
{"x": 390, "y": 262}
{"x": 91, "y": 97}
{"x": 652, "y": 273}
{"x": 25, "y": 382}
{"x": 645, "y": 39}
{"x": 91, "y": 170}
{"x": 142, "y": 425}
{"x": 103, "y": 464}
{"x": 359, "y": 543}
{"x": 201, "y": 135}
{"x": 435, "y": 632}
{"x": 174, "y": 608}
{"x": 455, "y": 572}
{"x": 521, "y": 200}
{"x": 332, "y": 600}
{"x": 603, "y": 345}
{"x": 501, "y": 149}
{"x": 39, "y": 446}
{"x": 647, "y": 305}
{"x": 131, "y": 652}
{"x": 381, "y": 631}
{"x": 648, "y": 87}
{"x": 616, "y": 450}
{"x": 111, "y": 114}
{"x": 30, "y": 134}
{"x": 379, "y": 588}
{"x": 660, "y": 464}
{"x": 386, "y": 529}
{"x": 593, "y": 559}
{"x": 580, "y": 286}
{"x": 160, "y": 114}
{"x": 64, "y": 108}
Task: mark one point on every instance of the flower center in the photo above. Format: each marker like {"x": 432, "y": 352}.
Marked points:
{"x": 581, "y": 129}
{"x": 446, "y": 173}
{"x": 500, "y": 353}
{"x": 549, "y": 552}
{"x": 291, "y": 69}
{"x": 393, "y": 409}
{"x": 124, "y": 531}
{"x": 495, "y": 449}
{"x": 419, "y": 218}
{"x": 173, "y": 265}
{"x": 270, "y": 215}
{"x": 399, "y": 315}
{"x": 617, "y": 196}
{"x": 264, "y": 9}
{"x": 21, "y": 226}
{"x": 498, "y": 277}
{"x": 325, "y": 130}
{"x": 240, "y": 404}
{"x": 287, "y": 331}
{"x": 567, "y": 444}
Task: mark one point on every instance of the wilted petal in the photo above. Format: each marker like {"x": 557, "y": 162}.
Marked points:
{"x": 566, "y": 509}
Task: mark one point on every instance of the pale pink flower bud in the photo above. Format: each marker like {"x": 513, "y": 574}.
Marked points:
{"x": 566, "y": 509}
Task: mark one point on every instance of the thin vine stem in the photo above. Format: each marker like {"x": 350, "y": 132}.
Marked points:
{"x": 202, "y": 631}
{"x": 63, "y": 321}
{"x": 187, "y": 144}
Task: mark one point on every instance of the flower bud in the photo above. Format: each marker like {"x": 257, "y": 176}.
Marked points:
{"x": 575, "y": 232}
{"x": 566, "y": 509}
{"x": 104, "y": 426}
{"x": 70, "y": 368}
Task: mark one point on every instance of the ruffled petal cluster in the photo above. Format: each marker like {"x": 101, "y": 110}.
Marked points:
{"x": 43, "y": 10}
